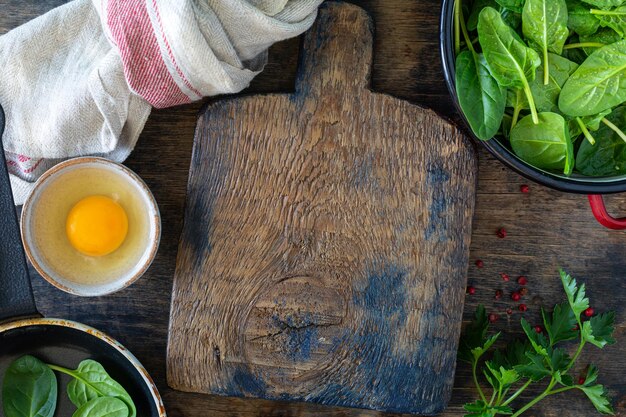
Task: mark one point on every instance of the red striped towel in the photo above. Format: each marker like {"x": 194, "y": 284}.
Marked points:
{"x": 82, "y": 79}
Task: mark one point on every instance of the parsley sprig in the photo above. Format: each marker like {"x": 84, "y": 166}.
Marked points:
{"x": 510, "y": 371}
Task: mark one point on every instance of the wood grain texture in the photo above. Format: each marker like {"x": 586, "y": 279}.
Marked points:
{"x": 546, "y": 228}
{"x": 326, "y": 239}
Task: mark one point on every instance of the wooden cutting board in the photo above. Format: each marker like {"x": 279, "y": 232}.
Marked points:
{"x": 325, "y": 246}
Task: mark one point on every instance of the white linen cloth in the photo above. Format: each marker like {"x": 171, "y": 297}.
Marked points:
{"x": 82, "y": 79}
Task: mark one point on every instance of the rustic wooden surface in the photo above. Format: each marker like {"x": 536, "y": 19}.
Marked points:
{"x": 546, "y": 228}
{"x": 326, "y": 240}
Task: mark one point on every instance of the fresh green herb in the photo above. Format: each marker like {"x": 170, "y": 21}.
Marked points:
{"x": 29, "y": 389}
{"x": 510, "y": 371}
{"x": 545, "y": 144}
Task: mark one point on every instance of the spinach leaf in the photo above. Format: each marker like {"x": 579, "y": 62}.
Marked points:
{"x": 614, "y": 19}
{"x": 477, "y": 7}
{"x": 480, "y": 96}
{"x": 511, "y": 63}
{"x": 544, "y": 23}
{"x": 605, "y": 36}
{"x": 546, "y": 95}
{"x": 545, "y": 145}
{"x": 29, "y": 389}
{"x": 514, "y": 5}
{"x": 605, "y": 4}
{"x": 103, "y": 407}
{"x": 511, "y": 18}
{"x": 591, "y": 122}
{"x": 608, "y": 156}
{"x": 576, "y": 55}
{"x": 580, "y": 19}
{"x": 598, "y": 84}
{"x": 92, "y": 381}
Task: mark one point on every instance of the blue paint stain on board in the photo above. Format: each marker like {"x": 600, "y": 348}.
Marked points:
{"x": 385, "y": 375}
{"x": 243, "y": 383}
{"x": 436, "y": 179}
{"x": 300, "y": 333}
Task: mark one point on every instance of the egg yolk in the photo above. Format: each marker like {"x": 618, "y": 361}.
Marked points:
{"x": 96, "y": 226}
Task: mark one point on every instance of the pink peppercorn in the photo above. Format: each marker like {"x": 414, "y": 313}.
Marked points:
{"x": 501, "y": 233}
{"x": 522, "y": 280}
{"x": 524, "y": 188}
{"x": 471, "y": 290}
{"x": 589, "y": 312}
{"x": 509, "y": 311}
{"x": 480, "y": 263}
{"x": 505, "y": 277}
{"x": 523, "y": 307}
{"x": 498, "y": 294}
{"x": 515, "y": 296}
{"x": 493, "y": 318}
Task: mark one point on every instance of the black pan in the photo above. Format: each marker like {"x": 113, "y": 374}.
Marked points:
{"x": 24, "y": 332}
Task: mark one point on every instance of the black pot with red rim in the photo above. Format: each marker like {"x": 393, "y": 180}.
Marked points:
{"x": 595, "y": 188}
{"x": 63, "y": 342}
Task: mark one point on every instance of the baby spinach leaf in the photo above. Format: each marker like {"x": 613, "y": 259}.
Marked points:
{"x": 580, "y": 19}
{"x": 614, "y": 19}
{"x": 29, "y": 389}
{"x": 605, "y": 4}
{"x": 477, "y": 7}
{"x": 103, "y": 407}
{"x": 604, "y": 36}
{"x": 598, "y": 84}
{"x": 511, "y": 63}
{"x": 591, "y": 122}
{"x": 608, "y": 156}
{"x": 91, "y": 381}
{"x": 544, "y": 23}
{"x": 511, "y": 18}
{"x": 514, "y": 5}
{"x": 576, "y": 55}
{"x": 480, "y": 97}
{"x": 545, "y": 145}
{"x": 547, "y": 95}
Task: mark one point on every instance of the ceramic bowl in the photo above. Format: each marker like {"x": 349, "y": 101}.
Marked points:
{"x": 45, "y": 212}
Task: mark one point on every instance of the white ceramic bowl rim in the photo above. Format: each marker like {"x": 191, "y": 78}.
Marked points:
{"x": 94, "y": 289}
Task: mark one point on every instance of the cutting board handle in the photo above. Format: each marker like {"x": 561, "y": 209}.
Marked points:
{"x": 337, "y": 49}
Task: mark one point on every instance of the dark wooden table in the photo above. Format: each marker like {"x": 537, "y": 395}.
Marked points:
{"x": 546, "y": 229}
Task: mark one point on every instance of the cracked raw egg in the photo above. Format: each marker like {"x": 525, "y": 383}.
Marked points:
{"x": 97, "y": 225}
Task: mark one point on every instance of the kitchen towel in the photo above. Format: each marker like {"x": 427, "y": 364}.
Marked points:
{"x": 82, "y": 79}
